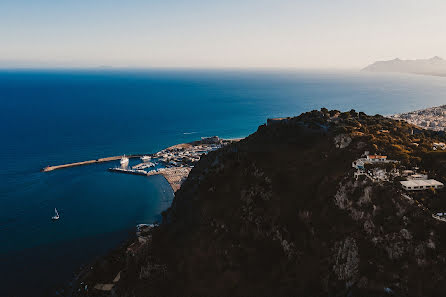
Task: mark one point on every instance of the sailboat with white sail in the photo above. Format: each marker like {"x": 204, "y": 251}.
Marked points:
{"x": 56, "y": 215}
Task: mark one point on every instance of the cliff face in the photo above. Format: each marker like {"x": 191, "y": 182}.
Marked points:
{"x": 280, "y": 214}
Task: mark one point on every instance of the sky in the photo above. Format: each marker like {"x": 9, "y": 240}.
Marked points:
{"x": 319, "y": 34}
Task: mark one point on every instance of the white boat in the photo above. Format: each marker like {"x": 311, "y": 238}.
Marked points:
{"x": 56, "y": 215}
{"x": 145, "y": 158}
{"x": 124, "y": 161}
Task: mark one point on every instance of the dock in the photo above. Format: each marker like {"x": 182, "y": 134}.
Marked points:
{"x": 100, "y": 160}
{"x": 128, "y": 171}
{"x": 143, "y": 165}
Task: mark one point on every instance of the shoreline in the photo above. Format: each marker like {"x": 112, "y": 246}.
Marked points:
{"x": 71, "y": 287}
{"x": 106, "y": 282}
{"x": 94, "y": 272}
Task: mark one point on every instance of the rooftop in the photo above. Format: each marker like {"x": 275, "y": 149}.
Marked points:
{"x": 421, "y": 183}
{"x": 376, "y": 157}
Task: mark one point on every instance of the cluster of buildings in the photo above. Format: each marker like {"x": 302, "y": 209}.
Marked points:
{"x": 181, "y": 156}
{"x": 186, "y": 155}
{"x": 418, "y": 182}
{"x": 431, "y": 118}
{"x": 375, "y": 174}
{"x": 413, "y": 182}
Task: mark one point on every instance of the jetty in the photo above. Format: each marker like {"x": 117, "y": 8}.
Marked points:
{"x": 100, "y": 160}
{"x": 144, "y": 165}
{"x": 128, "y": 171}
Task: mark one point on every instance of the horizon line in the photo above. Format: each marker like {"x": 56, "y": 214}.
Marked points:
{"x": 105, "y": 67}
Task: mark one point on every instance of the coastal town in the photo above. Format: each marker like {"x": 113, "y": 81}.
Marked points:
{"x": 433, "y": 118}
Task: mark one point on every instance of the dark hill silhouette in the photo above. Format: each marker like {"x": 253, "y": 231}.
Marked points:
{"x": 281, "y": 214}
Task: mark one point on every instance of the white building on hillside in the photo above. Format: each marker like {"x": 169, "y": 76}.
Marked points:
{"x": 438, "y": 146}
{"x": 421, "y": 184}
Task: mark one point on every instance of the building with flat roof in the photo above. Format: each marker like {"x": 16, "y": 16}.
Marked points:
{"x": 421, "y": 184}
{"x": 376, "y": 158}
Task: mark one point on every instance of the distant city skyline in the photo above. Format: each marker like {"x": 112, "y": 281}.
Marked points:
{"x": 347, "y": 34}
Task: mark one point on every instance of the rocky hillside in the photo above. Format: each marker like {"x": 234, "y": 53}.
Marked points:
{"x": 281, "y": 214}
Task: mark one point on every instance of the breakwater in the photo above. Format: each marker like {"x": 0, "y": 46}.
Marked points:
{"x": 100, "y": 160}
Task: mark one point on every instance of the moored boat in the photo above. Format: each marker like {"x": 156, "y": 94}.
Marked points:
{"x": 146, "y": 158}
{"x": 124, "y": 161}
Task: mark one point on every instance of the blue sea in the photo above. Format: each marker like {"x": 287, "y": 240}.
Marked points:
{"x": 50, "y": 117}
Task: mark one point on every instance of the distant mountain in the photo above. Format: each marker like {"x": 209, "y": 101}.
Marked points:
{"x": 432, "y": 66}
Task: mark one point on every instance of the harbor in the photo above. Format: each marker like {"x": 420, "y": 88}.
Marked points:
{"x": 173, "y": 163}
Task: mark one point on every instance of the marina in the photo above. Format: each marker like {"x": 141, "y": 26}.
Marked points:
{"x": 186, "y": 153}
{"x": 173, "y": 163}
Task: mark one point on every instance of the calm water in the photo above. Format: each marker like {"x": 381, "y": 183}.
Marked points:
{"x": 53, "y": 117}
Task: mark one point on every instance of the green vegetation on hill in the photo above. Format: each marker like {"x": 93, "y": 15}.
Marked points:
{"x": 280, "y": 214}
